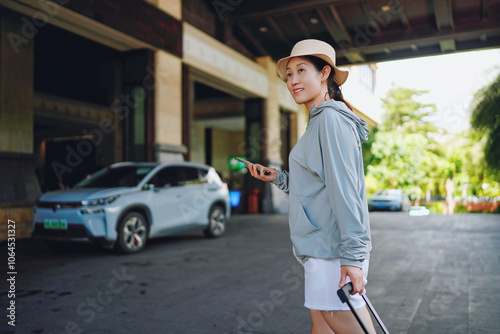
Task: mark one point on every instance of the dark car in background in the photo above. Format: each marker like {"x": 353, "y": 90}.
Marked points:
{"x": 389, "y": 200}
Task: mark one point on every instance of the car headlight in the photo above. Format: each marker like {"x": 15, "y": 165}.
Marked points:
{"x": 100, "y": 201}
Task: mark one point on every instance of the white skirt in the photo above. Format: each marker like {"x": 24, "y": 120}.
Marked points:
{"x": 322, "y": 277}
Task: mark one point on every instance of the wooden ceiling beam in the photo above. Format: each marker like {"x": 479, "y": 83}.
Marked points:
{"x": 421, "y": 52}
{"x": 278, "y": 31}
{"x": 366, "y": 11}
{"x": 447, "y": 45}
{"x": 484, "y": 9}
{"x": 301, "y": 24}
{"x": 444, "y": 14}
{"x": 339, "y": 33}
{"x": 403, "y": 18}
{"x": 353, "y": 55}
{"x": 254, "y": 40}
{"x": 330, "y": 27}
{"x": 416, "y": 40}
{"x": 302, "y": 6}
{"x": 340, "y": 24}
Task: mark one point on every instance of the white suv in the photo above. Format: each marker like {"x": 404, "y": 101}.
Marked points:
{"x": 127, "y": 203}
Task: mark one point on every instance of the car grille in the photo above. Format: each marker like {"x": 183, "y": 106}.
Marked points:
{"x": 73, "y": 231}
{"x": 58, "y": 205}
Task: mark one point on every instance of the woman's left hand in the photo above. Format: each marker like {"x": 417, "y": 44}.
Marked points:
{"x": 259, "y": 174}
{"x": 356, "y": 276}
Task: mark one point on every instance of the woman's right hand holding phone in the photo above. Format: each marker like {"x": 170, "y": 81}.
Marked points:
{"x": 259, "y": 174}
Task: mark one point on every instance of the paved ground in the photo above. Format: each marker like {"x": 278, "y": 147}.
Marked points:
{"x": 433, "y": 274}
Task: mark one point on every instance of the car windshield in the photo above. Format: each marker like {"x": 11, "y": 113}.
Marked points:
{"x": 389, "y": 193}
{"x": 124, "y": 176}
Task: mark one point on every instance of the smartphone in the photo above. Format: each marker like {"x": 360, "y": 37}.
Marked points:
{"x": 246, "y": 162}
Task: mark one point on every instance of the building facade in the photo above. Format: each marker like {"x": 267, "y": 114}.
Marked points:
{"x": 86, "y": 84}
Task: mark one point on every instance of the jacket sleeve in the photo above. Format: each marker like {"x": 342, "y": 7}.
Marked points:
{"x": 281, "y": 180}
{"x": 339, "y": 149}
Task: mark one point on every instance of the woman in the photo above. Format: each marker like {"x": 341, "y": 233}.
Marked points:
{"x": 328, "y": 213}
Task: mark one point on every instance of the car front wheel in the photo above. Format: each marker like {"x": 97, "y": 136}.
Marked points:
{"x": 217, "y": 222}
{"x": 132, "y": 233}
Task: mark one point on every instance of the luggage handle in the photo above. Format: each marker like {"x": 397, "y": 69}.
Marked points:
{"x": 344, "y": 294}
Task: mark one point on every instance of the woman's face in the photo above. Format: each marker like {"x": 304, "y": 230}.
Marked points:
{"x": 305, "y": 83}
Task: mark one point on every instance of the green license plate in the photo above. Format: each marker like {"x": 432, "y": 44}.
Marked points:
{"x": 55, "y": 224}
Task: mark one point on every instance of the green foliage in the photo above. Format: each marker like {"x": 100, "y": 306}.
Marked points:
{"x": 367, "y": 148}
{"x": 475, "y": 177}
{"x": 486, "y": 119}
{"x": 404, "y": 152}
{"x": 460, "y": 208}
{"x": 397, "y": 159}
{"x": 404, "y": 113}
{"x": 436, "y": 207}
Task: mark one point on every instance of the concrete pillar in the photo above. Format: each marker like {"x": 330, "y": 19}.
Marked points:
{"x": 187, "y": 113}
{"x": 272, "y": 118}
{"x": 171, "y": 7}
{"x": 16, "y": 85}
{"x": 19, "y": 186}
{"x": 273, "y": 199}
{"x": 168, "y": 107}
{"x": 168, "y": 96}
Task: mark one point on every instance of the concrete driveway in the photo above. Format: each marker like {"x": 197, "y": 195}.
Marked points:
{"x": 435, "y": 274}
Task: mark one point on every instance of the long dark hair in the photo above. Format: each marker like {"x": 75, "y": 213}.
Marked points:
{"x": 333, "y": 88}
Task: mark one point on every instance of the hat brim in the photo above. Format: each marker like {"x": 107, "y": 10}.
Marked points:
{"x": 340, "y": 76}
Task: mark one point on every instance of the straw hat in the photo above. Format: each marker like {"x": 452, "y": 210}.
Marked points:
{"x": 316, "y": 48}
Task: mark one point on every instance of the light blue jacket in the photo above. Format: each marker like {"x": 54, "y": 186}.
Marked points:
{"x": 328, "y": 210}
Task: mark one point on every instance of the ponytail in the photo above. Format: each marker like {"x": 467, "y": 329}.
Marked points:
{"x": 334, "y": 90}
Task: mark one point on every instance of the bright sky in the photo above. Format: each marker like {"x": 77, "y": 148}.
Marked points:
{"x": 451, "y": 79}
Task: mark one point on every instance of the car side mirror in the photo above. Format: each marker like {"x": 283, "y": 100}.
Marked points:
{"x": 148, "y": 186}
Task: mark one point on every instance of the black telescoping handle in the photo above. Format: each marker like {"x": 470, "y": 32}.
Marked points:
{"x": 375, "y": 314}
{"x": 344, "y": 294}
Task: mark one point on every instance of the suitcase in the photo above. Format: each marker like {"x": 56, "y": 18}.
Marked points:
{"x": 344, "y": 295}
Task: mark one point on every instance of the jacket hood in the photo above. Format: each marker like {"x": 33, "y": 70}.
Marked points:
{"x": 342, "y": 109}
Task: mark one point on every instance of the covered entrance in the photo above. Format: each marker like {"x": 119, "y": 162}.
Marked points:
{"x": 233, "y": 107}
{"x": 89, "y": 109}
{"x": 225, "y": 124}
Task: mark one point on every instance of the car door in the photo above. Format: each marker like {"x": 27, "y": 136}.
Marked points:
{"x": 165, "y": 200}
{"x": 195, "y": 203}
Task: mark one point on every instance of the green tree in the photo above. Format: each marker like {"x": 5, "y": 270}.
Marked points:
{"x": 486, "y": 119}
{"x": 411, "y": 153}
{"x": 403, "y": 112}
{"x": 405, "y": 153}
{"x": 477, "y": 178}
{"x": 367, "y": 148}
